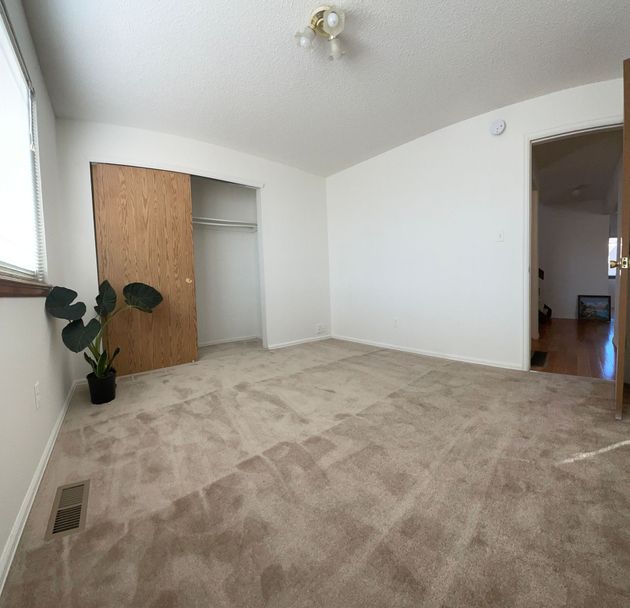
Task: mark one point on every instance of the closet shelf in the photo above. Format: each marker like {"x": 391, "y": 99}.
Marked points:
{"x": 212, "y": 221}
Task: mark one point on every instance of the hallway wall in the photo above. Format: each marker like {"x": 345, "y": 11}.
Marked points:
{"x": 573, "y": 252}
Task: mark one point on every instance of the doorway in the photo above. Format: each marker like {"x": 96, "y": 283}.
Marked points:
{"x": 575, "y": 203}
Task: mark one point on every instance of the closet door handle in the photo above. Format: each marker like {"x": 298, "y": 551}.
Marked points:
{"x": 189, "y": 280}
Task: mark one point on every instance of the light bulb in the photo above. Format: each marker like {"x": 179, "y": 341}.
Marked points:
{"x": 333, "y": 22}
{"x": 305, "y": 38}
{"x": 334, "y": 49}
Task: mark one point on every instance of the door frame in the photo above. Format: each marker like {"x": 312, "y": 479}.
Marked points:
{"x": 602, "y": 124}
{"x": 204, "y": 172}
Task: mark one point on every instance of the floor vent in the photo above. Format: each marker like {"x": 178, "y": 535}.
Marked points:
{"x": 68, "y": 512}
{"x": 539, "y": 358}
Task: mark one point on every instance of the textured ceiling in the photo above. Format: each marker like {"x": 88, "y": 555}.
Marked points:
{"x": 229, "y": 72}
{"x": 584, "y": 162}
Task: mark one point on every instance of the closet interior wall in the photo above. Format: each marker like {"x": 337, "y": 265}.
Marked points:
{"x": 226, "y": 263}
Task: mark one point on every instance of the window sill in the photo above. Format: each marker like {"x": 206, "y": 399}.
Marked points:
{"x": 11, "y": 287}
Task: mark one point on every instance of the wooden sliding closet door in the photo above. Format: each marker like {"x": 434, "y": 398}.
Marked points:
{"x": 143, "y": 225}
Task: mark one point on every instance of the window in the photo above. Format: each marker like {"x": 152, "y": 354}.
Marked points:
{"x": 22, "y": 251}
{"x": 612, "y": 255}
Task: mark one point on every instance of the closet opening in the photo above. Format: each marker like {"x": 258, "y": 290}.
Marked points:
{"x": 227, "y": 264}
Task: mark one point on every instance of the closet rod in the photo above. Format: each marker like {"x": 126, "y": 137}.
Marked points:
{"x": 211, "y": 221}
{"x": 251, "y": 227}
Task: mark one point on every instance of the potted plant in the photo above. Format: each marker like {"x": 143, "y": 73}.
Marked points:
{"x": 78, "y": 336}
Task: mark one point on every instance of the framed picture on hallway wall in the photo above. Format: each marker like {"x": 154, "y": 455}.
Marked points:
{"x": 594, "y": 308}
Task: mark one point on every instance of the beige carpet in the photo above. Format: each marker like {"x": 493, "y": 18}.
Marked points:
{"x": 336, "y": 475}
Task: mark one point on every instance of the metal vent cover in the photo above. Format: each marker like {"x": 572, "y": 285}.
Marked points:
{"x": 69, "y": 509}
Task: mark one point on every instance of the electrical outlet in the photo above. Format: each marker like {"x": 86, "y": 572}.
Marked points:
{"x": 320, "y": 329}
{"x": 37, "y": 396}
{"x": 395, "y": 323}
{"x": 500, "y": 236}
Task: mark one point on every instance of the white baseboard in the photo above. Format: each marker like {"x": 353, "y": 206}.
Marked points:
{"x": 429, "y": 353}
{"x": 228, "y": 341}
{"x": 296, "y": 342}
{"x": 8, "y": 553}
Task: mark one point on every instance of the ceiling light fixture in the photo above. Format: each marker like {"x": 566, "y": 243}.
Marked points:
{"x": 326, "y": 21}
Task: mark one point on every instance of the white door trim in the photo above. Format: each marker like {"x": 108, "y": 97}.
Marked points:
{"x": 560, "y": 132}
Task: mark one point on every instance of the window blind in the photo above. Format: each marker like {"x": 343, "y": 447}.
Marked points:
{"x": 22, "y": 247}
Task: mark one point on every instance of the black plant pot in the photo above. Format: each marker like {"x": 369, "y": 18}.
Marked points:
{"x": 102, "y": 390}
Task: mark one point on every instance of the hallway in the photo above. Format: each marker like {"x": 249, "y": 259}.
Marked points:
{"x": 577, "y": 347}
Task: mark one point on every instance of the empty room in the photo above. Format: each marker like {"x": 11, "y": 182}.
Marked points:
{"x": 313, "y": 305}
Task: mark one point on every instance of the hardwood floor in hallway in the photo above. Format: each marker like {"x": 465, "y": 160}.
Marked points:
{"x": 577, "y": 347}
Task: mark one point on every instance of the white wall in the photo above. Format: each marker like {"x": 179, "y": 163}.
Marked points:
{"x": 292, "y": 217}
{"x": 30, "y": 344}
{"x": 416, "y": 260}
{"x": 573, "y": 250}
{"x": 226, "y": 263}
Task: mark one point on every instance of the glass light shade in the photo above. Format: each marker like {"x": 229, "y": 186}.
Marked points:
{"x": 334, "y": 21}
{"x": 334, "y": 49}
{"x": 305, "y": 38}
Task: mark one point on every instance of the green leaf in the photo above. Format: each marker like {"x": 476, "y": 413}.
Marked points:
{"x": 77, "y": 336}
{"x": 59, "y": 304}
{"x": 111, "y": 361}
{"x": 108, "y": 366}
{"x": 90, "y": 361}
{"x": 142, "y": 296}
{"x": 101, "y": 366}
{"x": 105, "y": 300}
